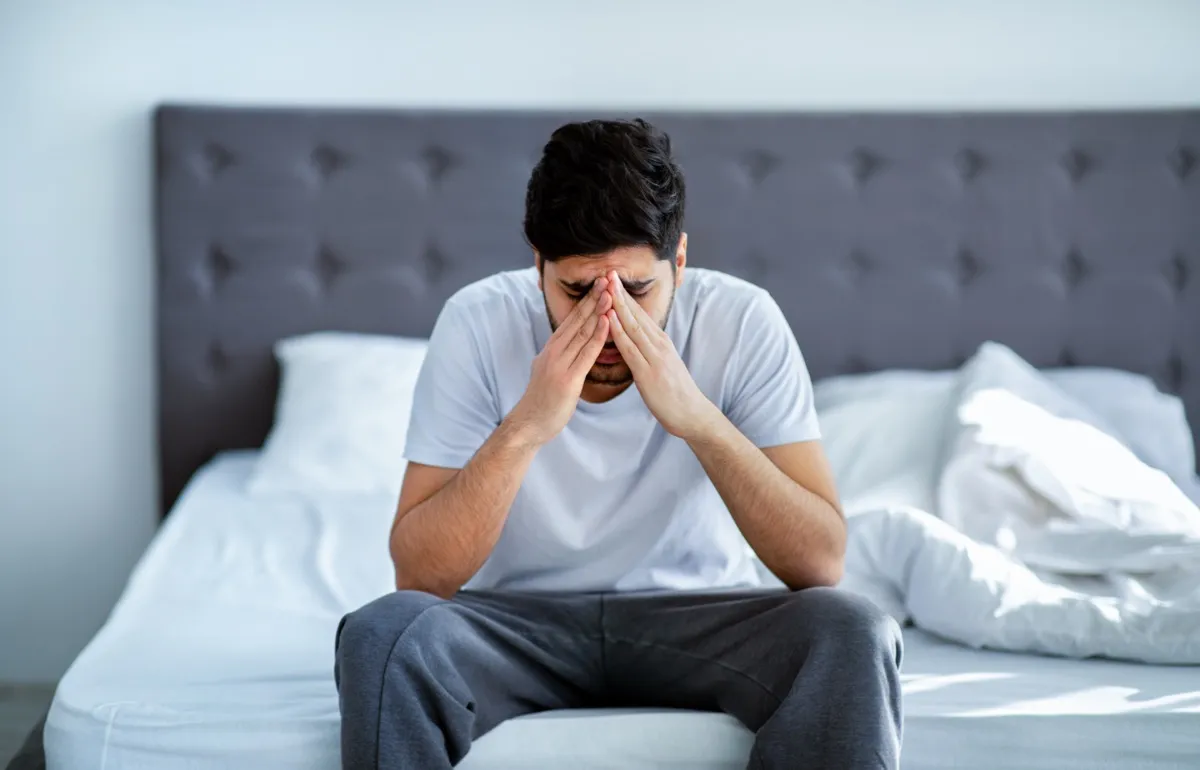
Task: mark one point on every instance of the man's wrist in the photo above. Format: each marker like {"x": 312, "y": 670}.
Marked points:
{"x": 519, "y": 433}
{"x": 708, "y": 426}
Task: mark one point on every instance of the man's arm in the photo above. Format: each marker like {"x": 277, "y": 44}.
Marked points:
{"x": 782, "y": 498}
{"x": 448, "y": 521}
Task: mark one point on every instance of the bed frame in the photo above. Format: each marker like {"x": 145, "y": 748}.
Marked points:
{"x": 889, "y": 240}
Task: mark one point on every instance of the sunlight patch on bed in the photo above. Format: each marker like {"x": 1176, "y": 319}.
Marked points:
{"x": 1093, "y": 700}
{"x": 913, "y": 684}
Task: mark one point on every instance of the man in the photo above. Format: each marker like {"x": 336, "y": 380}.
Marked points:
{"x": 601, "y": 445}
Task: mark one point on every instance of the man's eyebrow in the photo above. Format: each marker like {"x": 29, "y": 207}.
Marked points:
{"x": 632, "y": 286}
{"x": 577, "y": 287}
{"x": 583, "y": 287}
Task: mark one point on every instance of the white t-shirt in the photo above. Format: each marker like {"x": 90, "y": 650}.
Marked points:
{"x": 614, "y": 502}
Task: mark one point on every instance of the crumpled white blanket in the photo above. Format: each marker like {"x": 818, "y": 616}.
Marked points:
{"x": 1050, "y": 536}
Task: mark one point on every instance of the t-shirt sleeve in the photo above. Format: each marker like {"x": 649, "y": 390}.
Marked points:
{"x": 454, "y": 409}
{"x": 770, "y": 397}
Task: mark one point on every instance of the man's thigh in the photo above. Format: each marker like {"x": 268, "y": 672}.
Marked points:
{"x": 500, "y": 655}
{"x": 733, "y": 651}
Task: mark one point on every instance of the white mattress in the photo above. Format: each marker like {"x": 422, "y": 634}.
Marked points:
{"x": 220, "y": 655}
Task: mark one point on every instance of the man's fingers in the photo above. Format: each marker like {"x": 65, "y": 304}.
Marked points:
{"x": 601, "y": 307}
{"x": 572, "y": 322}
{"x": 629, "y": 351}
{"x": 646, "y": 325}
{"x": 633, "y": 318}
{"x": 586, "y": 331}
{"x": 621, "y": 305}
{"x": 589, "y": 351}
{"x": 604, "y": 304}
{"x": 584, "y": 310}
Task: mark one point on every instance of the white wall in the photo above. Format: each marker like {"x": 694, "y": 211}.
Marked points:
{"x": 77, "y": 82}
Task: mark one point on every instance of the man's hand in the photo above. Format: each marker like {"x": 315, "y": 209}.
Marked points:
{"x": 666, "y": 385}
{"x": 449, "y": 521}
{"x": 560, "y": 369}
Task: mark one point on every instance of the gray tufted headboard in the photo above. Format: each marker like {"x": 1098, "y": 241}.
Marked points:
{"x": 889, "y": 240}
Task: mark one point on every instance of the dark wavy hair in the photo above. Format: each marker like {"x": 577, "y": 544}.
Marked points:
{"x": 601, "y": 185}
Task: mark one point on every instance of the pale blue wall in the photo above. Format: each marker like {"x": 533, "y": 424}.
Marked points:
{"x": 77, "y": 491}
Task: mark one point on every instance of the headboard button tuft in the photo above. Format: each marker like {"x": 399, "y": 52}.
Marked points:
{"x": 216, "y": 360}
{"x": 859, "y": 263}
{"x": 863, "y": 164}
{"x": 435, "y": 263}
{"x": 328, "y": 267}
{"x": 968, "y": 267}
{"x": 757, "y": 165}
{"x": 1077, "y": 164}
{"x": 1182, "y": 161}
{"x": 969, "y": 164}
{"x": 218, "y": 266}
{"x": 1178, "y": 272}
{"x": 327, "y": 161}
{"x": 1176, "y": 373}
{"x": 436, "y": 161}
{"x": 856, "y": 365}
{"x": 214, "y": 159}
{"x": 1075, "y": 269}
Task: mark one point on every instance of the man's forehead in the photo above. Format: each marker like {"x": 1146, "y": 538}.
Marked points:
{"x": 629, "y": 267}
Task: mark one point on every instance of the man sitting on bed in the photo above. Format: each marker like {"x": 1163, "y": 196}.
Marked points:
{"x": 601, "y": 445}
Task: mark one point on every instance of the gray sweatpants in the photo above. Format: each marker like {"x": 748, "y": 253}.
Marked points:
{"x": 814, "y": 673}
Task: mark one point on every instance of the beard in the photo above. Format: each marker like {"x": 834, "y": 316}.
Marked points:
{"x": 616, "y": 374}
{"x": 612, "y": 375}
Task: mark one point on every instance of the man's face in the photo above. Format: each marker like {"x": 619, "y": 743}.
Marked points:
{"x": 648, "y": 280}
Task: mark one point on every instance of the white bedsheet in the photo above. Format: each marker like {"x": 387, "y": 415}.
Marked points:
{"x": 219, "y": 655}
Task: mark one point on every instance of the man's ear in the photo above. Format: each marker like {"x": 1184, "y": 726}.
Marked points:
{"x": 680, "y": 259}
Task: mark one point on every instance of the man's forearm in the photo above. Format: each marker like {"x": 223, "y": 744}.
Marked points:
{"x": 798, "y": 534}
{"x": 439, "y": 544}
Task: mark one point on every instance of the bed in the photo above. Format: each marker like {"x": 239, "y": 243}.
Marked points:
{"x": 218, "y": 656}
{"x": 890, "y": 241}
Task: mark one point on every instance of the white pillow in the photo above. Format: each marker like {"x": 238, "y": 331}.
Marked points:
{"x": 1151, "y": 423}
{"x": 885, "y": 431}
{"x": 883, "y": 435}
{"x": 342, "y": 414}
{"x": 830, "y": 392}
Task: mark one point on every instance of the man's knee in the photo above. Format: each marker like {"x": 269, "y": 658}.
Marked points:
{"x": 372, "y": 630}
{"x": 845, "y": 621}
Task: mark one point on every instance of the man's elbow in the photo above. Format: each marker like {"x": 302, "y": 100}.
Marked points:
{"x": 829, "y": 572}
{"x": 441, "y": 589}
{"x": 426, "y": 587}
{"x": 413, "y": 573}
{"x": 822, "y": 573}
{"x": 825, "y": 568}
